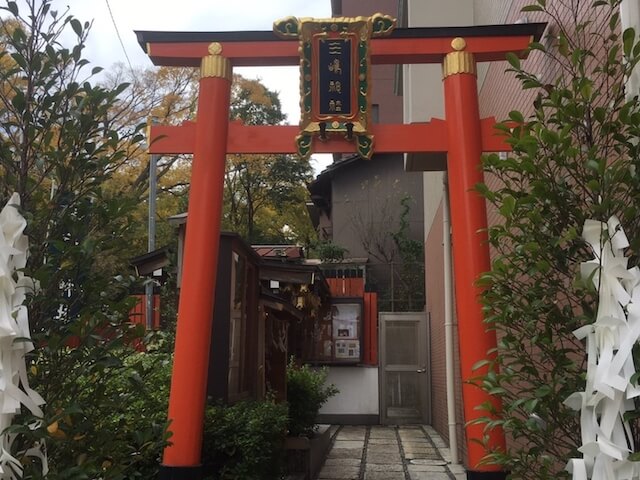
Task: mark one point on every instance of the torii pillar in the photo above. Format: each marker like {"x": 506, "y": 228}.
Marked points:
{"x": 191, "y": 355}
{"x": 470, "y": 247}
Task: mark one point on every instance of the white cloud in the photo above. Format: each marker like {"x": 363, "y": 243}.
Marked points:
{"x": 183, "y": 15}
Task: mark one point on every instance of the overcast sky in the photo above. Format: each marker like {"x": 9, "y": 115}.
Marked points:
{"x": 104, "y": 48}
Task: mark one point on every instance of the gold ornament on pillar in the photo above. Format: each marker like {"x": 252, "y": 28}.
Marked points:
{"x": 458, "y": 61}
{"x": 214, "y": 64}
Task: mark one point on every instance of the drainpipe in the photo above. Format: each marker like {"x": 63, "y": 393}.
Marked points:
{"x": 630, "y": 18}
{"x": 448, "y": 324}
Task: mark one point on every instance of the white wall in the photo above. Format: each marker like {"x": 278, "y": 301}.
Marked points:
{"x": 358, "y": 391}
{"x": 630, "y": 18}
{"x": 423, "y": 92}
{"x": 490, "y": 12}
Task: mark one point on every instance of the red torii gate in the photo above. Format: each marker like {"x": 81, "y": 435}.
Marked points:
{"x": 462, "y": 135}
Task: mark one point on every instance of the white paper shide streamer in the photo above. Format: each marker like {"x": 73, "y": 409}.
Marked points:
{"x": 14, "y": 337}
{"x": 609, "y": 393}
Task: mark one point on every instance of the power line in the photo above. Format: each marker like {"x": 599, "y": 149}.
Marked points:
{"x": 113, "y": 20}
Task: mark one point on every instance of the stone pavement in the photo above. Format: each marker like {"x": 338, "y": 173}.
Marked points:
{"x": 406, "y": 452}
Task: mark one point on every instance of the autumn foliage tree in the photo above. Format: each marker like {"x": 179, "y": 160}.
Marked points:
{"x": 165, "y": 96}
{"x": 263, "y": 193}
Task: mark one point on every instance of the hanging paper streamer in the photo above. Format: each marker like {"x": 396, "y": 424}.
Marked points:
{"x": 609, "y": 393}
{"x": 14, "y": 337}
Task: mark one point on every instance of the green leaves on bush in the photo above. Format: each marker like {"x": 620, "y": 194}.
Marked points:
{"x": 306, "y": 393}
{"x": 328, "y": 251}
{"x": 244, "y": 441}
{"x": 109, "y": 418}
{"x": 575, "y": 156}
{"x": 59, "y": 147}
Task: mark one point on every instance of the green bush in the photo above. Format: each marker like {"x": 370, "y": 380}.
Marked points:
{"x": 123, "y": 434}
{"x": 140, "y": 419}
{"x": 328, "y": 251}
{"x": 306, "y": 393}
{"x": 108, "y": 420}
{"x": 244, "y": 441}
{"x": 575, "y": 157}
{"x": 60, "y": 145}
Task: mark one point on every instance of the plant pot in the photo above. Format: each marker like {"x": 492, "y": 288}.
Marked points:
{"x": 306, "y": 454}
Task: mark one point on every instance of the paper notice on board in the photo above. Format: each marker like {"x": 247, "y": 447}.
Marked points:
{"x": 346, "y": 349}
{"x": 346, "y": 319}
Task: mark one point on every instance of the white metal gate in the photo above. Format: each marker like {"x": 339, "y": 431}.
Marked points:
{"x": 404, "y": 368}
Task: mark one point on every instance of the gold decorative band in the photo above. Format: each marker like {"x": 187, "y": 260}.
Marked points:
{"x": 215, "y": 65}
{"x": 458, "y": 62}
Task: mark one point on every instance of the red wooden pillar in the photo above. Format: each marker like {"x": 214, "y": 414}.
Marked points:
{"x": 191, "y": 359}
{"x": 470, "y": 247}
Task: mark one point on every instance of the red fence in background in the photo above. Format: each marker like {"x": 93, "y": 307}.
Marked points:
{"x": 346, "y": 287}
{"x": 138, "y": 314}
{"x": 370, "y": 339}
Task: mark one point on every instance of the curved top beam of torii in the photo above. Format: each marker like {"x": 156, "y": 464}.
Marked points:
{"x": 402, "y": 46}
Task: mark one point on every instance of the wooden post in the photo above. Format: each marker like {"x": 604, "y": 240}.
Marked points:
{"x": 195, "y": 311}
{"x": 470, "y": 248}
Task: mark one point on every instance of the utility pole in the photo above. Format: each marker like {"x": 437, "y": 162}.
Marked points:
{"x": 151, "y": 246}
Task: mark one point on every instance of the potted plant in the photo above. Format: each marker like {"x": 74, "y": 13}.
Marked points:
{"x": 307, "y": 442}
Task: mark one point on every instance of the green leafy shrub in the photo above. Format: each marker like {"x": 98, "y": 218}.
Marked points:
{"x": 244, "y": 441}
{"x": 328, "y": 251}
{"x": 142, "y": 390}
{"x": 60, "y": 146}
{"x": 109, "y": 419}
{"x": 306, "y": 393}
{"x": 575, "y": 157}
{"x": 113, "y": 420}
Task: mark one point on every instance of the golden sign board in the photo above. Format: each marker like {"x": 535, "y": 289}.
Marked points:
{"x": 335, "y": 76}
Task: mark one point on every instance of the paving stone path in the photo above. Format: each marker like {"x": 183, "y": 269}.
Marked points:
{"x": 411, "y": 452}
